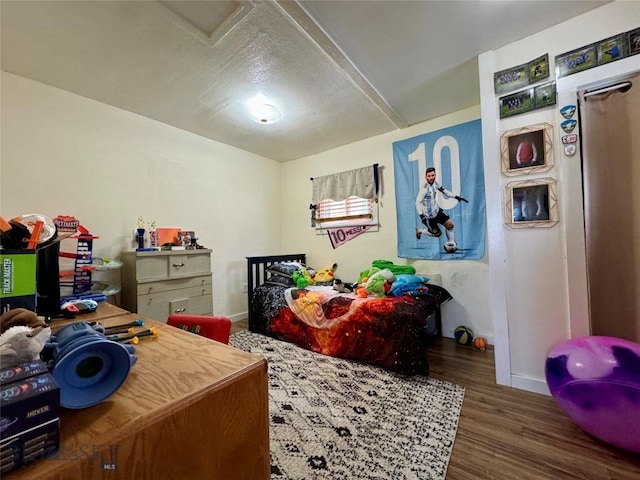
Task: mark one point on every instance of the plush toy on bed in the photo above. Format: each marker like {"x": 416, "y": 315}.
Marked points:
{"x": 302, "y": 278}
{"x": 374, "y": 282}
{"x": 324, "y": 276}
{"x": 380, "y": 283}
{"x": 342, "y": 287}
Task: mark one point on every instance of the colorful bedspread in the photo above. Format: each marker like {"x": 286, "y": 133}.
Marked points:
{"x": 388, "y": 332}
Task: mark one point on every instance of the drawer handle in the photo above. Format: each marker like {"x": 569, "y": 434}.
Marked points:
{"x": 178, "y": 265}
{"x": 150, "y": 289}
{"x": 180, "y": 310}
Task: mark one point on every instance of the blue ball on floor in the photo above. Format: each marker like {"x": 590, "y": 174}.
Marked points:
{"x": 463, "y": 335}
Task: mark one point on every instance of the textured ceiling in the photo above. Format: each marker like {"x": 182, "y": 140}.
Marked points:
{"x": 339, "y": 71}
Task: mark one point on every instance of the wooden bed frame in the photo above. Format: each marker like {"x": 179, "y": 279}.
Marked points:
{"x": 257, "y": 275}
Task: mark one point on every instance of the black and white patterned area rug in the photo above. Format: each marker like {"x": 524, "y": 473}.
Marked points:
{"x": 338, "y": 419}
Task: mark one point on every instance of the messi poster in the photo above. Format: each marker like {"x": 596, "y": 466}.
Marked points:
{"x": 440, "y": 200}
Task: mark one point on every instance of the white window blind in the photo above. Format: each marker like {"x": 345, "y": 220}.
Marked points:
{"x": 361, "y": 182}
{"x": 346, "y": 198}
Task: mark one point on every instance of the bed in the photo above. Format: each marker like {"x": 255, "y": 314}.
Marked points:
{"x": 393, "y": 332}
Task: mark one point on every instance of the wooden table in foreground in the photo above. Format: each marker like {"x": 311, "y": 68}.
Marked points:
{"x": 191, "y": 408}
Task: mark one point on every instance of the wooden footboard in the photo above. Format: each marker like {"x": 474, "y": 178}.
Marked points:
{"x": 257, "y": 273}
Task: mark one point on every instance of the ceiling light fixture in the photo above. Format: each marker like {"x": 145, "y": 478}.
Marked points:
{"x": 263, "y": 112}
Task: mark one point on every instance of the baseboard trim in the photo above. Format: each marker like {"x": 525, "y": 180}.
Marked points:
{"x": 238, "y": 316}
{"x": 530, "y": 384}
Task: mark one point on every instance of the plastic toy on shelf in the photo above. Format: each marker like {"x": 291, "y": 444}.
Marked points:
{"x": 84, "y": 264}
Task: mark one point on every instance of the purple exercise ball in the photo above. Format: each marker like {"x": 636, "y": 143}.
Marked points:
{"x": 596, "y": 382}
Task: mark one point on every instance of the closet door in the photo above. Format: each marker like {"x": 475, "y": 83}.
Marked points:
{"x": 610, "y": 128}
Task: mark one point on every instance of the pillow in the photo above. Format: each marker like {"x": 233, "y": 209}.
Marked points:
{"x": 399, "y": 286}
{"x": 404, "y": 278}
{"x": 280, "y": 280}
{"x": 285, "y": 268}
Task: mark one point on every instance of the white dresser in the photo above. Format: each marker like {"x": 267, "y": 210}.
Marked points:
{"x": 157, "y": 284}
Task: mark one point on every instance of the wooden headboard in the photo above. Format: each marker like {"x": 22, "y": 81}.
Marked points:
{"x": 257, "y": 272}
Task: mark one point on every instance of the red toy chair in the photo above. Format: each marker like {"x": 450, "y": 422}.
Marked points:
{"x": 216, "y": 328}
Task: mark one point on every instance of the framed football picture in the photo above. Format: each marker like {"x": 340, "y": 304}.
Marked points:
{"x": 531, "y": 203}
{"x": 526, "y": 150}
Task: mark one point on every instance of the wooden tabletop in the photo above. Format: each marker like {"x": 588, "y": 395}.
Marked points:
{"x": 104, "y": 310}
{"x": 172, "y": 372}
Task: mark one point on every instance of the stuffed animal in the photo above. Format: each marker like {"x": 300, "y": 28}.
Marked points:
{"x": 324, "y": 276}
{"x": 20, "y": 316}
{"x": 342, "y": 287}
{"x": 23, "y": 336}
{"x": 380, "y": 282}
{"x": 302, "y": 278}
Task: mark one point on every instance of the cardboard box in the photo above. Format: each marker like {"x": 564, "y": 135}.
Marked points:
{"x": 30, "y": 422}
{"x": 29, "y": 446}
{"x": 27, "y": 403}
{"x": 22, "y": 371}
{"x": 18, "y": 277}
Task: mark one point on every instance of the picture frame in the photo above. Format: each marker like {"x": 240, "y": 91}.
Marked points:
{"x": 576, "y": 61}
{"x": 544, "y": 95}
{"x": 612, "y": 49}
{"x": 511, "y": 79}
{"x": 531, "y": 204}
{"x": 633, "y": 42}
{"x": 538, "y": 68}
{"x": 517, "y": 103}
{"x": 527, "y": 149}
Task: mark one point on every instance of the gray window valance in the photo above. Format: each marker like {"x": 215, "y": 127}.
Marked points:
{"x": 361, "y": 182}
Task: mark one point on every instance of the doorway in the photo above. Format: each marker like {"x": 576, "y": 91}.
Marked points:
{"x": 610, "y": 145}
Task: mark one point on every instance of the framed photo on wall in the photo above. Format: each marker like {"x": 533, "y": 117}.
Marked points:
{"x": 576, "y": 61}
{"x": 531, "y": 203}
{"x": 539, "y": 68}
{"x": 611, "y": 49}
{"x": 517, "y": 103}
{"x": 545, "y": 95}
{"x": 511, "y": 79}
{"x": 527, "y": 149}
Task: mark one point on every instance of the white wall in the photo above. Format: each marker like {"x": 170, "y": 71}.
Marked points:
{"x": 65, "y": 154}
{"x": 467, "y": 280}
{"x": 538, "y": 285}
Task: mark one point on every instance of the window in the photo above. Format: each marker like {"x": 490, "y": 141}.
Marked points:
{"x": 351, "y": 211}
{"x": 345, "y": 199}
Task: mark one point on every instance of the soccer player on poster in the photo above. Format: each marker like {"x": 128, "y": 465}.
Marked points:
{"x": 431, "y": 214}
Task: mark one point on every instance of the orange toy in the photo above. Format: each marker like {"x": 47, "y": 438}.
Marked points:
{"x": 480, "y": 343}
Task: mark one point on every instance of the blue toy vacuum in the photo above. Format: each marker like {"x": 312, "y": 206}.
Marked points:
{"x": 87, "y": 366}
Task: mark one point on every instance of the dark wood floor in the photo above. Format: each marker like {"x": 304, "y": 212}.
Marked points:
{"x": 505, "y": 433}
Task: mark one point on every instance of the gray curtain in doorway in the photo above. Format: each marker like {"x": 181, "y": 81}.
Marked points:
{"x": 610, "y": 127}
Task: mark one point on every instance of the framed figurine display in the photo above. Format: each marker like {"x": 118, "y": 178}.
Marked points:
{"x": 527, "y": 149}
{"x": 531, "y": 204}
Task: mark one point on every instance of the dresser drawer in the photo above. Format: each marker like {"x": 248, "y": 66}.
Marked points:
{"x": 195, "y": 264}
{"x": 175, "y": 284}
{"x": 194, "y": 300}
{"x": 157, "y": 267}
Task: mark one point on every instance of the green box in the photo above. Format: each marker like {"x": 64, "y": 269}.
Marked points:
{"x": 18, "y": 279}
